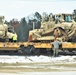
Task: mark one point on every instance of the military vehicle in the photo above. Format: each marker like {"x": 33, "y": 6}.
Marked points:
{"x": 6, "y": 32}
{"x": 60, "y": 26}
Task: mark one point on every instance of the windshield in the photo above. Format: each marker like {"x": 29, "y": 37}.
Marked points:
{"x": 68, "y": 18}
{"x": 11, "y": 30}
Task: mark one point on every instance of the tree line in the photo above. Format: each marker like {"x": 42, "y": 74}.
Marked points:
{"x": 23, "y": 26}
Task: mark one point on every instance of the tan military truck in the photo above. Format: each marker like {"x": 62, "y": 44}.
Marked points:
{"x": 63, "y": 27}
{"x": 6, "y": 32}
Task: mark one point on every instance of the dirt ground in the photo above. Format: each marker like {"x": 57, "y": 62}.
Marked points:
{"x": 36, "y": 67}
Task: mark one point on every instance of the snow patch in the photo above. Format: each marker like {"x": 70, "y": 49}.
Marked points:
{"x": 34, "y": 59}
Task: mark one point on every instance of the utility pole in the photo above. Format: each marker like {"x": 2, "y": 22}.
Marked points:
{"x": 33, "y": 25}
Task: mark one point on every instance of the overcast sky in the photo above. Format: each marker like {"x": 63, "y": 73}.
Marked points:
{"x": 22, "y": 8}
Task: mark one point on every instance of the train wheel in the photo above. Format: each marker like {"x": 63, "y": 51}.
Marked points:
{"x": 29, "y": 50}
{"x": 36, "y": 51}
{"x": 22, "y": 49}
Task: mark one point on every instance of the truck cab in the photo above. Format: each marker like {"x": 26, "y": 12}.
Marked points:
{"x": 6, "y": 33}
{"x": 64, "y": 17}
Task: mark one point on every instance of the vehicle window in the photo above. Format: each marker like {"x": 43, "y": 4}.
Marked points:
{"x": 11, "y": 30}
{"x": 68, "y": 18}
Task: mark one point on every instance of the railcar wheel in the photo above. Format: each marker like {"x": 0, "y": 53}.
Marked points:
{"x": 22, "y": 49}
{"x": 36, "y": 51}
{"x": 29, "y": 50}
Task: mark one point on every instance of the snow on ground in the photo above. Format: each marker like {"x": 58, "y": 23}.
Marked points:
{"x": 34, "y": 59}
{"x": 42, "y": 63}
{"x": 41, "y": 73}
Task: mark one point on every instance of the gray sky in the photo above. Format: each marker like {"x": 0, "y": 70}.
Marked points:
{"x": 22, "y": 8}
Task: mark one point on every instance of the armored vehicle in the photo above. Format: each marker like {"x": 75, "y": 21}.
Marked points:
{"x": 60, "y": 26}
{"x": 6, "y": 32}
